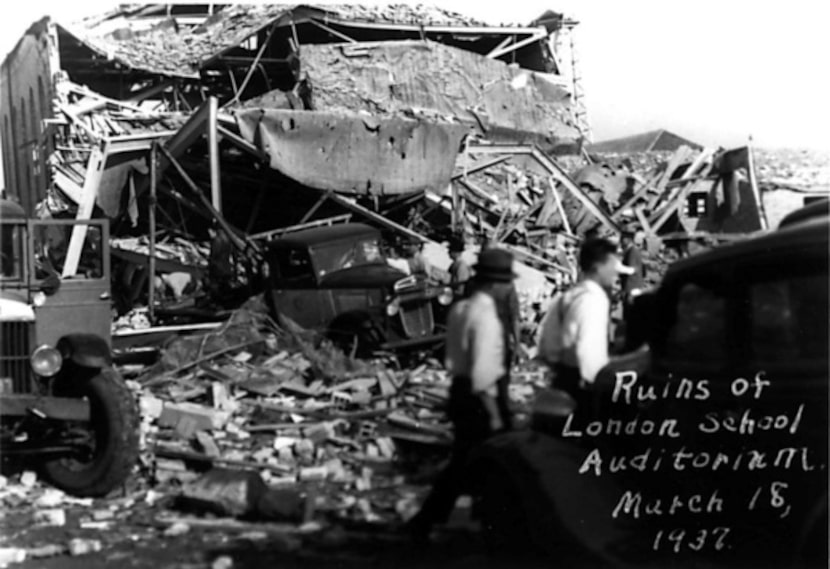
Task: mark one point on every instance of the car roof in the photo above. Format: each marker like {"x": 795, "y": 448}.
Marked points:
{"x": 11, "y": 210}
{"x": 820, "y": 208}
{"x": 811, "y": 231}
{"x": 320, "y": 235}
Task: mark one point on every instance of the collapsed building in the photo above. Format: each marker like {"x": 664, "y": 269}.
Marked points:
{"x": 168, "y": 119}
{"x": 272, "y": 117}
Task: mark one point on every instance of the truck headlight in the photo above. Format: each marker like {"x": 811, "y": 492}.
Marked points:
{"x": 393, "y": 307}
{"x": 445, "y": 298}
{"x": 46, "y": 361}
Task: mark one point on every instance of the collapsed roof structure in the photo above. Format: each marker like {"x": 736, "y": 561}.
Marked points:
{"x": 272, "y": 116}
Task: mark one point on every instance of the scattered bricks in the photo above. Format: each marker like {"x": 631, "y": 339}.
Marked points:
{"x": 220, "y": 398}
{"x": 386, "y": 447}
{"x": 313, "y": 473}
{"x": 262, "y": 455}
{"x": 223, "y": 562}
{"x": 79, "y": 546}
{"x": 205, "y": 418}
{"x": 340, "y": 400}
{"x": 304, "y": 450}
{"x": 286, "y": 456}
{"x": 11, "y": 555}
{"x": 225, "y": 492}
{"x": 151, "y": 406}
{"x": 209, "y": 446}
{"x": 28, "y": 479}
{"x": 281, "y": 504}
{"x": 319, "y": 433}
{"x": 177, "y": 529}
{"x": 284, "y": 442}
{"x": 367, "y": 430}
{"x": 51, "y": 517}
{"x": 52, "y": 550}
{"x": 186, "y": 428}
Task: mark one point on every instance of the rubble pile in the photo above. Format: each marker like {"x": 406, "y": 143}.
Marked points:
{"x": 807, "y": 169}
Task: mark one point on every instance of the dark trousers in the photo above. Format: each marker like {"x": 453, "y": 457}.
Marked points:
{"x": 567, "y": 378}
{"x": 472, "y": 427}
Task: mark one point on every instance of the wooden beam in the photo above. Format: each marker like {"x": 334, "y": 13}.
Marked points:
{"x": 333, "y": 32}
{"x": 377, "y": 218}
{"x": 94, "y": 174}
{"x": 559, "y": 207}
{"x": 501, "y": 45}
{"x": 316, "y": 206}
{"x": 343, "y": 218}
{"x": 151, "y": 297}
{"x": 480, "y": 167}
{"x": 514, "y": 46}
{"x": 213, "y": 150}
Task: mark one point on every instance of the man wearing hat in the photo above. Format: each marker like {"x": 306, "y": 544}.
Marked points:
{"x": 460, "y": 271}
{"x": 633, "y": 284}
{"x": 575, "y": 331}
{"x": 476, "y": 357}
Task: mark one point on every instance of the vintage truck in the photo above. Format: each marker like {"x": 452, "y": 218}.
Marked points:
{"x": 337, "y": 280}
{"x": 706, "y": 448}
{"x": 62, "y": 405}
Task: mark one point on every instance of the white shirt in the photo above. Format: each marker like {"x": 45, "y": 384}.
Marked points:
{"x": 475, "y": 342}
{"x": 575, "y": 329}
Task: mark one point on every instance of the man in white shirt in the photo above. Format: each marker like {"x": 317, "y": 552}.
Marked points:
{"x": 575, "y": 332}
{"x": 476, "y": 357}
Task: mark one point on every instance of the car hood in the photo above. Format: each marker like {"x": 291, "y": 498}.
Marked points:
{"x": 364, "y": 276}
{"x": 14, "y": 308}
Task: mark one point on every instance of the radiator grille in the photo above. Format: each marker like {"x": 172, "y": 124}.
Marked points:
{"x": 15, "y": 342}
{"x": 417, "y": 318}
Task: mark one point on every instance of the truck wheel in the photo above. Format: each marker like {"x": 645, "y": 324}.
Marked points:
{"x": 114, "y": 431}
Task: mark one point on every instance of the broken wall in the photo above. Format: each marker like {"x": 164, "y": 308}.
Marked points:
{"x": 25, "y": 101}
{"x": 425, "y": 78}
{"x": 352, "y": 153}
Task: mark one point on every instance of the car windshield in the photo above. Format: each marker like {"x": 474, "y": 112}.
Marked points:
{"x": 51, "y": 244}
{"x": 11, "y": 251}
{"x": 343, "y": 255}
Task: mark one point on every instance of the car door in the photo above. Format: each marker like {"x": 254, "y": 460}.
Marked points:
{"x": 295, "y": 293}
{"x": 82, "y": 302}
{"x": 785, "y": 367}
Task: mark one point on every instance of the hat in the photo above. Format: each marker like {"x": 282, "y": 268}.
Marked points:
{"x": 622, "y": 268}
{"x": 495, "y": 265}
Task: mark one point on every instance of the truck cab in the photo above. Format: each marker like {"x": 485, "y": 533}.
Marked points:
{"x": 62, "y": 404}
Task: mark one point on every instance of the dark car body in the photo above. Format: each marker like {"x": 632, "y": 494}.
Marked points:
{"x": 324, "y": 280}
{"x": 710, "y": 446}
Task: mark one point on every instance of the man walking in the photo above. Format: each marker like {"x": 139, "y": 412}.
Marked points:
{"x": 575, "y": 332}
{"x": 460, "y": 271}
{"x": 476, "y": 357}
{"x": 633, "y": 284}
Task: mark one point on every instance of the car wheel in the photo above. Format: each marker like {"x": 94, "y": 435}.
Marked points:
{"x": 113, "y": 435}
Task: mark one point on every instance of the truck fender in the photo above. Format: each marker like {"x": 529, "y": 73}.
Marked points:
{"x": 87, "y": 350}
{"x": 542, "y": 468}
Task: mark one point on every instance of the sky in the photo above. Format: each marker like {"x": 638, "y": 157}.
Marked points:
{"x": 714, "y": 71}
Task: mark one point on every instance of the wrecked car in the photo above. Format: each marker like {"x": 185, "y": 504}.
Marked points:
{"x": 708, "y": 447}
{"x": 337, "y": 280}
{"x": 62, "y": 405}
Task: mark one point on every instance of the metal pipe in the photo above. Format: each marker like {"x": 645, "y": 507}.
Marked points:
{"x": 152, "y": 217}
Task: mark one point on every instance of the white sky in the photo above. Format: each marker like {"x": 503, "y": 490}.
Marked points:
{"x": 715, "y": 71}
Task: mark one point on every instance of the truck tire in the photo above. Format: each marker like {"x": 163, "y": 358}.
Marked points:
{"x": 114, "y": 432}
